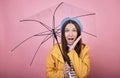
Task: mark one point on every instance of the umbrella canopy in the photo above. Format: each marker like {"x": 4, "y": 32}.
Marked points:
{"x": 49, "y": 21}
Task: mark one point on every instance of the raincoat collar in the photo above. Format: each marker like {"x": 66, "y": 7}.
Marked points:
{"x": 56, "y": 53}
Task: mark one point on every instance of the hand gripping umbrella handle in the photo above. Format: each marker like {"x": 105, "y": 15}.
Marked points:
{"x": 74, "y": 44}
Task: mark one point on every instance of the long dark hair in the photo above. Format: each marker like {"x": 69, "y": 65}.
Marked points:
{"x": 64, "y": 42}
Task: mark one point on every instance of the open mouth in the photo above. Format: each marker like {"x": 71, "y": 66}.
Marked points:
{"x": 70, "y": 38}
{"x": 70, "y": 41}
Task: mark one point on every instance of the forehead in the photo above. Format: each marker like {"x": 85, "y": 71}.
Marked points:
{"x": 70, "y": 26}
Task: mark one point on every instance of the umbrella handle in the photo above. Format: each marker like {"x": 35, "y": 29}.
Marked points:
{"x": 74, "y": 44}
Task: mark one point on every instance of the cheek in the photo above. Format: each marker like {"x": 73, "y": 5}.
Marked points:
{"x": 66, "y": 34}
{"x": 75, "y": 34}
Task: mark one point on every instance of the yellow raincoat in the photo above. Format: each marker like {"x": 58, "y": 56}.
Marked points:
{"x": 55, "y": 62}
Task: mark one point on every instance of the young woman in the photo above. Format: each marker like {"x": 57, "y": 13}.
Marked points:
{"x": 66, "y": 63}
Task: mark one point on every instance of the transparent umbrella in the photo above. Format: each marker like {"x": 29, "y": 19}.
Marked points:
{"x": 49, "y": 21}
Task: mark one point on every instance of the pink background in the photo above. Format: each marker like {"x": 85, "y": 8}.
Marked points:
{"x": 105, "y": 56}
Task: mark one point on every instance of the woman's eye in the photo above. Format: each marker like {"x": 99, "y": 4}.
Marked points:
{"x": 66, "y": 30}
{"x": 74, "y": 30}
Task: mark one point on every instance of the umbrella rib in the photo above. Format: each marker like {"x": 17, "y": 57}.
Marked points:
{"x": 21, "y": 43}
{"x": 54, "y": 14}
{"x": 58, "y": 34}
{"x": 25, "y": 40}
{"x": 57, "y": 28}
{"x": 89, "y": 34}
{"x": 42, "y": 34}
{"x": 49, "y": 28}
{"x": 57, "y": 8}
{"x": 80, "y": 16}
{"x": 45, "y": 39}
{"x": 84, "y": 15}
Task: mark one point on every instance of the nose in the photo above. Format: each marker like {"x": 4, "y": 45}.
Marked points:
{"x": 70, "y": 33}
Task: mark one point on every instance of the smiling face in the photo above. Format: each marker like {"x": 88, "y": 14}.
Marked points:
{"x": 70, "y": 33}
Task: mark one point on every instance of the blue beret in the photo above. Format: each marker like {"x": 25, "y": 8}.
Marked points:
{"x": 73, "y": 19}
